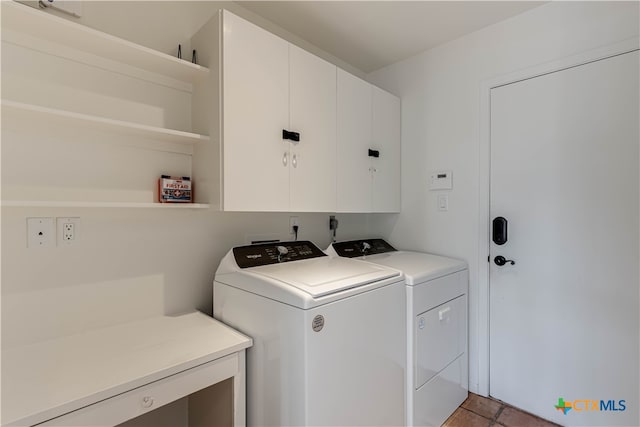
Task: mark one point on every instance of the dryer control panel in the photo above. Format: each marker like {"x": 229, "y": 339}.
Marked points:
{"x": 274, "y": 253}
{"x": 356, "y": 248}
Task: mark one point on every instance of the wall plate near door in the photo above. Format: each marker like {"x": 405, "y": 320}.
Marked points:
{"x": 441, "y": 180}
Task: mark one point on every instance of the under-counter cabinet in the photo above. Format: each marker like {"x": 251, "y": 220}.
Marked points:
{"x": 272, "y": 90}
{"x": 368, "y": 151}
{"x": 187, "y": 370}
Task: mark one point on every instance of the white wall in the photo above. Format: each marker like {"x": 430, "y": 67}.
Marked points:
{"x": 128, "y": 263}
{"x": 440, "y": 91}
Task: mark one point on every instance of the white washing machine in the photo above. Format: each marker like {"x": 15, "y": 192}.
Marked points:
{"x": 328, "y": 333}
{"x": 436, "y": 297}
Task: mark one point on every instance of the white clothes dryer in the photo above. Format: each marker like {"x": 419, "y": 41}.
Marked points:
{"x": 436, "y": 300}
{"x": 328, "y": 333}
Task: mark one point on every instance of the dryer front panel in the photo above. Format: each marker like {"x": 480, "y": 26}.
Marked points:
{"x": 439, "y": 338}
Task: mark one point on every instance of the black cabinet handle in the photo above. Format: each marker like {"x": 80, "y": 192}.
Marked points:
{"x": 293, "y": 136}
{"x": 374, "y": 153}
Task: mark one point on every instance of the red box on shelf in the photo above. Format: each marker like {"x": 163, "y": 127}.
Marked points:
{"x": 174, "y": 189}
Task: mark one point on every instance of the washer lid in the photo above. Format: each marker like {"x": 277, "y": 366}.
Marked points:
{"x": 323, "y": 276}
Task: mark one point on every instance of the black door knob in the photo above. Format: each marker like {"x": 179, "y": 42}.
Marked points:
{"x": 500, "y": 260}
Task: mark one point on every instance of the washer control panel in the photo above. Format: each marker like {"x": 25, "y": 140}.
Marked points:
{"x": 356, "y": 248}
{"x": 276, "y": 252}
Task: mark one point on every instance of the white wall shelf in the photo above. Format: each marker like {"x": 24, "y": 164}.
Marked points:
{"x": 114, "y": 124}
{"x": 80, "y": 204}
{"x": 44, "y": 26}
{"x": 44, "y": 114}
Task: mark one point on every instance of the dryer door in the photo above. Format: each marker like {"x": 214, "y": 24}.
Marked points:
{"x": 439, "y": 338}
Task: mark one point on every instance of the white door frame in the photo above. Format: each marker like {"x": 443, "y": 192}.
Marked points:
{"x": 622, "y": 47}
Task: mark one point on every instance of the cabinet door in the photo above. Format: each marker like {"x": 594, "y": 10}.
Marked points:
{"x": 313, "y": 114}
{"x": 386, "y": 139}
{"x": 354, "y": 140}
{"x": 255, "y": 111}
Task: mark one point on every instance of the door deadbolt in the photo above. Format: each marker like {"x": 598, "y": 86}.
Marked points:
{"x": 500, "y": 230}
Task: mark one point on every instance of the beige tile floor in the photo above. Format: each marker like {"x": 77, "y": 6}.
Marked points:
{"x": 478, "y": 411}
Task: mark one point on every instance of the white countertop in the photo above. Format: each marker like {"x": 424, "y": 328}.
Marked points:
{"x": 48, "y": 379}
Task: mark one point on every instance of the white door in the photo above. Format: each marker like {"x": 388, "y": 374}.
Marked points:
{"x": 564, "y": 319}
{"x": 313, "y": 115}
{"x": 386, "y": 140}
{"x": 354, "y": 140}
{"x": 255, "y": 111}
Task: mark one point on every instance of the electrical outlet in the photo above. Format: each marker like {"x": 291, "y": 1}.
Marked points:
{"x": 68, "y": 231}
{"x": 293, "y": 220}
{"x": 40, "y": 232}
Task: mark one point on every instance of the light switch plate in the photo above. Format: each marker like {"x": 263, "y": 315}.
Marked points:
{"x": 443, "y": 202}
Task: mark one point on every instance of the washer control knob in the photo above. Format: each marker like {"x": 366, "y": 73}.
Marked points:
{"x": 282, "y": 250}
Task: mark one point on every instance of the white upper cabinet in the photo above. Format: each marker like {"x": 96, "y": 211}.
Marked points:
{"x": 295, "y": 133}
{"x": 386, "y": 140}
{"x": 271, "y": 86}
{"x": 255, "y": 80}
{"x": 368, "y": 152}
{"x": 354, "y": 141}
{"x": 313, "y": 115}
